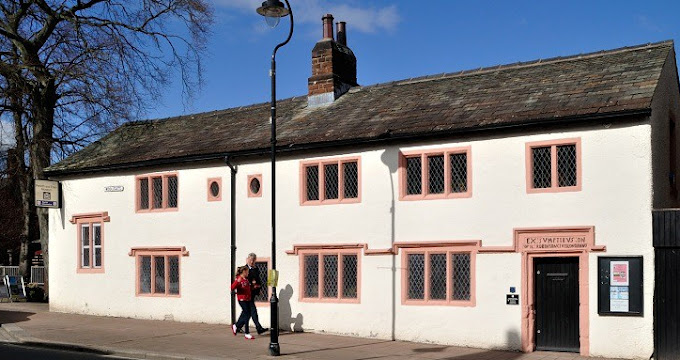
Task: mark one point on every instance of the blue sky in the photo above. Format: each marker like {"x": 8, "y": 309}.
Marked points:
{"x": 401, "y": 39}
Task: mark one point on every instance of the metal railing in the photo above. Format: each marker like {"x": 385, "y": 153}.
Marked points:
{"x": 9, "y": 270}
{"x": 38, "y": 275}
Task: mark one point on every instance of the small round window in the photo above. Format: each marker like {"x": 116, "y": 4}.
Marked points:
{"x": 214, "y": 189}
{"x": 254, "y": 186}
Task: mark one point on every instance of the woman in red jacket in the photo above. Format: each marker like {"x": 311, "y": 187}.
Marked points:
{"x": 242, "y": 287}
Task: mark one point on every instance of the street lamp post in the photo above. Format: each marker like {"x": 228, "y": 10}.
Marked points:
{"x": 273, "y": 11}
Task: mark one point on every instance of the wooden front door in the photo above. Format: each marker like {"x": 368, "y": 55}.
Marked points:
{"x": 556, "y": 300}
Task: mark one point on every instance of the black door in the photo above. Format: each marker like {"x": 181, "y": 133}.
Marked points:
{"x": 556, "y": 302}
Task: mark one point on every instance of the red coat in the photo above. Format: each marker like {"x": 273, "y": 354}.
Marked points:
{"x": 242, "y": 287}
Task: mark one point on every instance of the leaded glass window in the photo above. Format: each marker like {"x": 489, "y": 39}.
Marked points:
{"x": 331, "y": 181}
{"x": 555, "y": 166}
{"x": 438, "y": 276}
{"x": 157, "y": 192}
{"x": 159, "y": 274}
{"x": 335, "y": 274}
{"x": 445, "y": 173}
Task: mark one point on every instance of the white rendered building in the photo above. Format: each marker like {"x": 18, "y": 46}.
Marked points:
{"x": 416, "y": 210}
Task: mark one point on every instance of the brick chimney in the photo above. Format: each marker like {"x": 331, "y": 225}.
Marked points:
{"x": 334, "y": 66}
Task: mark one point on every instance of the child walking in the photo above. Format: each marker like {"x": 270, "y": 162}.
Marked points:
{"x": 243, "y": 293}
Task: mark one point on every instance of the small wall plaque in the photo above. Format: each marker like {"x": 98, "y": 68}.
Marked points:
{"x": 512, "y": 299}
{"x": 118, "y": 188}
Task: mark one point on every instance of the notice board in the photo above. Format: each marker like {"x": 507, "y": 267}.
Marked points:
{"x": 619, "y": 291}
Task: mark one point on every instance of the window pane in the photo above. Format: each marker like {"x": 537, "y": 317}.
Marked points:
{"x": 438, "y": 276}
{"x": 214, "y": 188}
{"x": 435, "y": 165}
{"x": 157, "y": 192}
{"x": 311, "y": 275}
{"x": 416, "y": 276}
{"x": 97, "y": 229}
{"x": 173, "y": 274}
{"x": 159, "y": 274}
{"x": 330, "y": 276}
{"x": 566, "y": 165}
{"x": 255, "y": 185}
{"x": 172, "y": 191}
{"x": 145, "y": 275}
{"x": 144, "y": 193}
{"x": 86, "y": 257}
{"x": 413, "y": 176}
{"x": 312, "y": 182}
{"x": 542, "y": 167}
{"x": 330, "y": 173}
{"x": 97, "y": 256}
{"x": 458, "y": 173}
{"x": 461, "y": 276}
{"x": 263, "y": 267}
{"x": 85, "y": 241}
{"x": 349, "y": 276}
{"x": 351, "y": 180}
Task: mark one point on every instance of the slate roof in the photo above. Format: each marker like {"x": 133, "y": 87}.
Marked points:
{"x": 619, "y": 81}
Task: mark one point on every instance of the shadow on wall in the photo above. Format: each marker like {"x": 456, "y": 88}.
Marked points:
{"x": 286, "y": 320}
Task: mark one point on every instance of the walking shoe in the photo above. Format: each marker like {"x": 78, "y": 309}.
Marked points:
{"x": 262, "y": 331}
{"x": 249, "y": 337}
{"x": 234, "y": 329}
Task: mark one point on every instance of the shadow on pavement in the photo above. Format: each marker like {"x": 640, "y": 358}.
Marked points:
{"x": 334, "y": 348}
{"x": 9, "y": 317}
{"x": 430, "y": 349}
{"x": 490, "y": 354}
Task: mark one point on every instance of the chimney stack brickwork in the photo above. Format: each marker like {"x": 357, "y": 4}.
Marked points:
{"x": 334, "y": 66}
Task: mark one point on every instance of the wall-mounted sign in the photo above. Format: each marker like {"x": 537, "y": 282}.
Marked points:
{"x": 118, "y": 188}
{"x": 512, "y": 299}
{"x": 619, "y": 273}
{"x": 570, "y": 242}
{"x": 620, "y": 286}
{"x": 272, "y": 278}
{"x": 47, "y": 193}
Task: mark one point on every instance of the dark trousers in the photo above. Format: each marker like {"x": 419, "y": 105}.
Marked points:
{"x": 253, "y": 314}
{"x": 244, "y": 319}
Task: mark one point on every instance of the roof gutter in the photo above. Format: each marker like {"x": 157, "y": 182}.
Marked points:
{"x": 384, "y": 138}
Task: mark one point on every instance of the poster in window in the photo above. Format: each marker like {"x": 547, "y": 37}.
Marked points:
{"x": 618, "y": 299}
{"x": 619, "y": 271}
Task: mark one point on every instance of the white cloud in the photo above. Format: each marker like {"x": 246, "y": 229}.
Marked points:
{"x": 363, "y": 19}
{"x": 6, "y": 135}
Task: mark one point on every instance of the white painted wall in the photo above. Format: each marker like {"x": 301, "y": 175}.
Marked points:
{"x": 616, "y": 199}
{"x": 201, "y": 226}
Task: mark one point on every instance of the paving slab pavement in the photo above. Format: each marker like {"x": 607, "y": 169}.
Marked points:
{"x": 34, "y": 324}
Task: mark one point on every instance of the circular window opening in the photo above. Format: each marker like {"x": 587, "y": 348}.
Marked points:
{"x": 255, "y": 185}
{"x": 214, "y": 188}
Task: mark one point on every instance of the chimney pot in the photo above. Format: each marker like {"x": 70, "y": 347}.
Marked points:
{"x": 342, "y": 34}
{"x": 327, "y": 26}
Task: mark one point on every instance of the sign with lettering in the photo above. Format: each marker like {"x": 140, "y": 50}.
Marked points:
{"x": 114, "y": 188}
{"x": 47, "y": 193}
{"x": 554, "y": 242}
{"x": 512, "y": 299}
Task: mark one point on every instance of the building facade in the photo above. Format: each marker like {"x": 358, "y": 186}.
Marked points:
{"x": 480, "y": 208}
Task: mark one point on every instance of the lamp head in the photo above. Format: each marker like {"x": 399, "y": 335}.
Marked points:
{"x": 273, "y": 11}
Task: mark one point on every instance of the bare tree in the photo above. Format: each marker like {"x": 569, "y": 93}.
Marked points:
{"x": 74, "y": 69}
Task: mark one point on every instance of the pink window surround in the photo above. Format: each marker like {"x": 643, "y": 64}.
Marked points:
{"x": 423, "y": 155}
{"x": 91, "y": 221}
{"x": 553, "y": 144}
{"x": 251, "y": 178}
{"x": 450, "y": 249}
{"x": 269, "y": 267}
{"x": 211, "y": 195}
{"x": 339, "y": 252}
{"x": 165, "y": 206}
{"x": 154, "y": 253}
{"x": 321, "y": 184}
